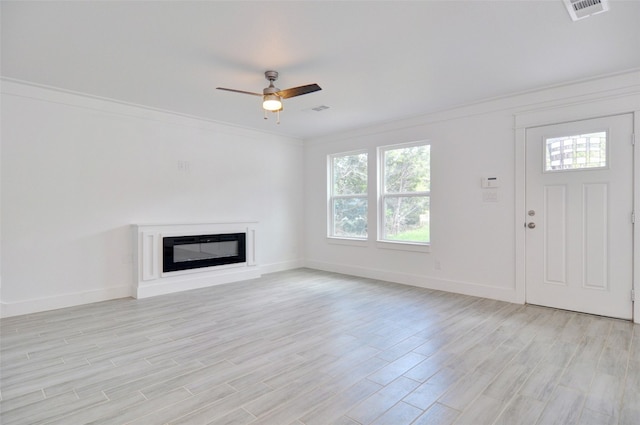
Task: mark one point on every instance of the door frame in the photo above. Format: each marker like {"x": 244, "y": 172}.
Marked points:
{"x": 551, "y": 115}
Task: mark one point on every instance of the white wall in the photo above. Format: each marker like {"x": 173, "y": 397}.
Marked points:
{"x": 474, "y": 242}
{"x": 78, "y": 171}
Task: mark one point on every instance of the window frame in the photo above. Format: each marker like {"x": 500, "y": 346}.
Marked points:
{"x": 382, "y": 196}
{"x": 331, "y": 197}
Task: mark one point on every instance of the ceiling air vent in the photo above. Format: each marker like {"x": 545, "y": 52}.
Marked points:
{"x": 320, "y": 108}
{"x": 580, "y": 9}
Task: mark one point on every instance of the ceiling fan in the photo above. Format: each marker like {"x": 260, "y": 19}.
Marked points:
{"x": 272, "y": 96}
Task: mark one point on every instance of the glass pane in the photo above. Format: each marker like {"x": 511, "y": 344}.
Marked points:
{"x": 407, "y": 169}
{"x": 350, "y": 217}
{"x": 204, "y": 251}
{"x": 350, "y": 174}
{"x": 406, "y": 218}
{"x": 576, "y": 152}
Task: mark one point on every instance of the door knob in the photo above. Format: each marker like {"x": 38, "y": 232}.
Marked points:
{"x": 531, "y": 225}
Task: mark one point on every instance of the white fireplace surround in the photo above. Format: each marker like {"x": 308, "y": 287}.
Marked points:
{"x": 150, "y": 280}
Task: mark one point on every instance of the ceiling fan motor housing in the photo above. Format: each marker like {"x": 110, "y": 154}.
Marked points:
{"x": 270, "y": 90}
{"x": 271, "y": 76}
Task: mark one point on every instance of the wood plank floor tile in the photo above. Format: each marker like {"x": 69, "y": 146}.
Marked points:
{"x": 401, "y": 413}
{"x": 437, "y": 414}
{"x": 335, "y": 407}
{"x": 306, "y": 347}
{"x": 483, "y": 410}
{"x": 522, "y": 410}
{"x": 589, "y": 417}
{"x": 375, "y": 406}
{"x": 564, "y": 408}
{"x": 431, "y": 390}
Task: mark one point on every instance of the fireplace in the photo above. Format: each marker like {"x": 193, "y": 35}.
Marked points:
{"x": 193, "y": 252}
{"x": 159, "y": 271}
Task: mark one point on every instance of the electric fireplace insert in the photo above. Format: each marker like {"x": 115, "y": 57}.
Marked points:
{"x": 192, "y": 252}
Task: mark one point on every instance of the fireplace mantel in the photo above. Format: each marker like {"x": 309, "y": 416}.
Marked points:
{"x": 150, "y": 280}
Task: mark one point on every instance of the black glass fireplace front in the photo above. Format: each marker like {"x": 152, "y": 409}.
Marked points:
{"x": 192, "y": 252}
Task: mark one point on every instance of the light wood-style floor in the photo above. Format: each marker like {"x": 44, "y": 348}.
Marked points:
{"x": 315, "y": 348}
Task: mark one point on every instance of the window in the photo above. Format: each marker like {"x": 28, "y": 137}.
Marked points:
{"x": 576, "y": 152}
{"x": 405, "y": 185}
{"x": 348, "y": 195}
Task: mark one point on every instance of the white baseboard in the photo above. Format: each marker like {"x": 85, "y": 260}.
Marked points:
{"x": 8, "y": 309}
{"x": 36, "y": 305}
{"x": 282, "y": 266}
{"x": 18, "y": 308}
{"x": 428, "y": 282}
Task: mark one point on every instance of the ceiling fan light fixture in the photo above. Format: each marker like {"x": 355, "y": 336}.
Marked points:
{"x": 271, "y": 102}
{"x": 272, "y": 96}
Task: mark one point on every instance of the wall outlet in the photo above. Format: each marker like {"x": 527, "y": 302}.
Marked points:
{"x": 490, "y": 195}
{"x": 184, "y": 166}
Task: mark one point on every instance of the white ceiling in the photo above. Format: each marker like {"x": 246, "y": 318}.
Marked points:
{"x": 376, "y": 61}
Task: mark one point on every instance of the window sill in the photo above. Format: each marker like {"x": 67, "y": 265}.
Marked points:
{"x": 347, "y": 241}
{"x": 404, "y": 246}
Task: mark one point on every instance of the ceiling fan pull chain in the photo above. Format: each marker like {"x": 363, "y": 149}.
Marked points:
{"x": 265, "y": 114}
{"x": 278, "y": 115}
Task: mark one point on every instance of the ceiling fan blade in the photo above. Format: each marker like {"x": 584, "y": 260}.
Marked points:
{"x": 240, "y": 91}
{"x": 298, "y": 91}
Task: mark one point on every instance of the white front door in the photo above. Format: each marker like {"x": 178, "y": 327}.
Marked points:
{"x": 579, "y": 200}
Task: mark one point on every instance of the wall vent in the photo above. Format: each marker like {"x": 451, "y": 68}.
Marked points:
{"x": 580, "y": 9}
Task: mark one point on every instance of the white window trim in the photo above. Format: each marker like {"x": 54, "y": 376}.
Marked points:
{"x": 404, "y": 246}
{"x": 343, "y": 240}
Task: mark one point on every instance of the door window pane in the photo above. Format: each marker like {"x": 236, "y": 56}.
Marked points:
{"x": 576, "y": 152}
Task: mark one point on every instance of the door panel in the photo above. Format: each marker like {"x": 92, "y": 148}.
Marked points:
{"x": 595, "y": 231}
{"x": 555, "y": 238}
{"x": 579, "y": 196}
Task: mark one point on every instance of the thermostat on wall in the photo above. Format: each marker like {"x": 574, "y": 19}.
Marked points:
{"x": 489, "y": 182}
